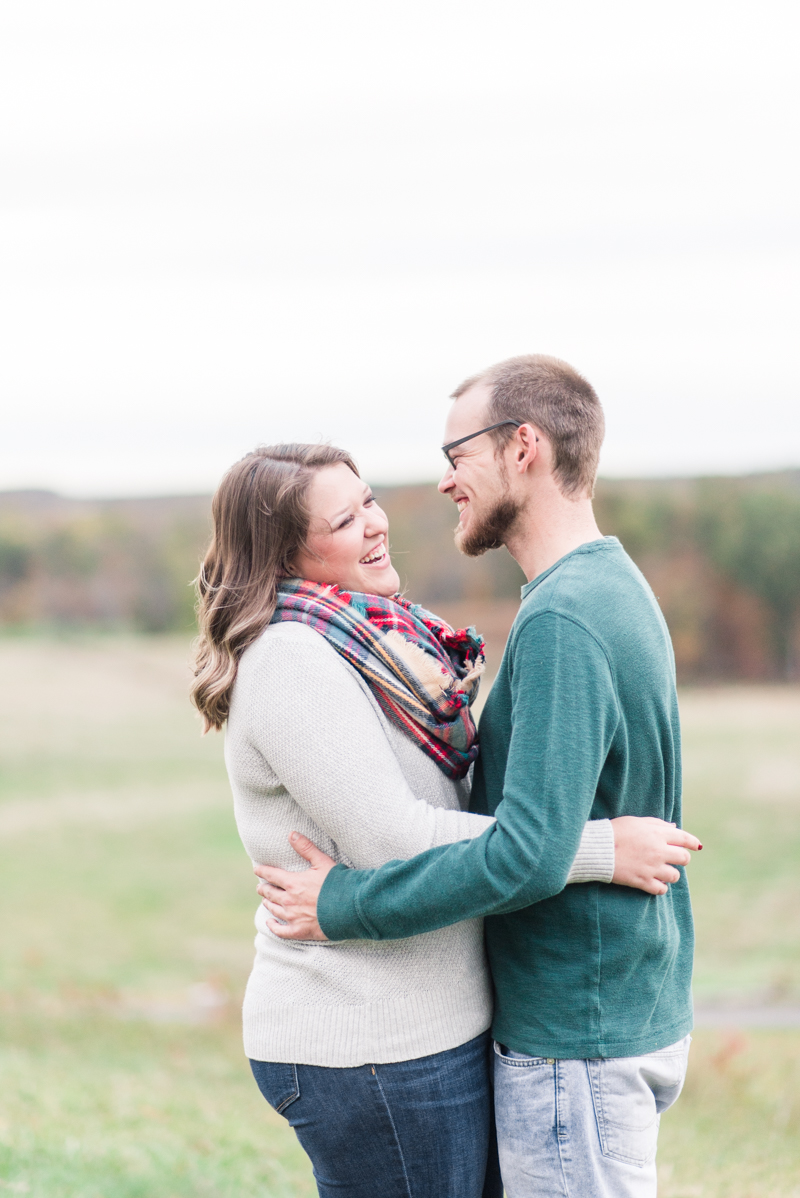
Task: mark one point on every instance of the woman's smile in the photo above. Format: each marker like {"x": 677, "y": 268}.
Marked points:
{"x": 376, "y": 556}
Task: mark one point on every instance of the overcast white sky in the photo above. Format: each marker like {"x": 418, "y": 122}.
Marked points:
{"x": 229, "y": 223}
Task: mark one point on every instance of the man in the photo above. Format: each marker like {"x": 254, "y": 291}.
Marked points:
{"x": 593, "y": 1006}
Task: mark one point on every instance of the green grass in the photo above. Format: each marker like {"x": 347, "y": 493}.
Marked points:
{"x": 97, "y": 1108}
{"x": 742, "y": 798}
{"x": 126, "y": 906}
{"x": 733, "y": 1131}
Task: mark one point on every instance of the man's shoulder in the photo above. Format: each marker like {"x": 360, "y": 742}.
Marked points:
{"x": 597, "y": 590}
{"x": 584, "y": 581}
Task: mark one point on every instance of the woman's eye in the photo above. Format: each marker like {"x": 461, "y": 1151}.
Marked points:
{"x": 370, "y": 499}
{"x": 347, "y": 520}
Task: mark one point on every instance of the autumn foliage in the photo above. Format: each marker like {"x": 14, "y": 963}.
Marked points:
{"x": 722, "y": 554}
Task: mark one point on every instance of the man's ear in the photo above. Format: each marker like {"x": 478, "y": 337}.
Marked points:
{"x": 525, "y": 446}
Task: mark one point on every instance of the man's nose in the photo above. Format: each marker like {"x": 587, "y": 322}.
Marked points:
{"x": 447, "y": 481}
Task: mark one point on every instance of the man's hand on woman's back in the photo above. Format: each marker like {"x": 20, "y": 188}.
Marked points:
{"x": 290, "y": 896}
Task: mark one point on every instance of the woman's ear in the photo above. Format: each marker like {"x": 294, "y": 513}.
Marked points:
{"x": 287, "y": 568}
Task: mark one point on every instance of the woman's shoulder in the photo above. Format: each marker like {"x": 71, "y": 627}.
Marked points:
{"x": 284, "y": 648}
{"x": 291, "y": 664}
{"x": 291, "y": 632}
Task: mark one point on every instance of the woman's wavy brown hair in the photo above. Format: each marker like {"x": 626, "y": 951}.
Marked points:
{"x": 260, "y": 522}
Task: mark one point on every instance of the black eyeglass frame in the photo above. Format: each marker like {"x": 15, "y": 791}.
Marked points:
{"x": 452, "y": 444}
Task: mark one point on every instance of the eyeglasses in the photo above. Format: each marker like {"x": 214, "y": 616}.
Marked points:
{"x": 446, "y": 448}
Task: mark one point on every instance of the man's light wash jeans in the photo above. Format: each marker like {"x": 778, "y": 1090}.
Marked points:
{"x": 583, "y": 1129}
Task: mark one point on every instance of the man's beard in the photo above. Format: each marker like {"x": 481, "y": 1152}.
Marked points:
{"x": 490, "y": 530}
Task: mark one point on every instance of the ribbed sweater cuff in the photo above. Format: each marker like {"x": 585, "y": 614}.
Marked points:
{"x": 337, "y": 905}
{"x": 594, "y": 861}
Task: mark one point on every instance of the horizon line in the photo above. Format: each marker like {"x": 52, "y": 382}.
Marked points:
{"x": 133, "y": 496}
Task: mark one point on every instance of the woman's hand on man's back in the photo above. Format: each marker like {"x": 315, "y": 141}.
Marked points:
{"x": 646, "y": 851}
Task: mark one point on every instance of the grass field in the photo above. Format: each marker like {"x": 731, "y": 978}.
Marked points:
{"x": 126, "y": 906}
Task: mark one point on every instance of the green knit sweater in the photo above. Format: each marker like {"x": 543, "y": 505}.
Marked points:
{"x": 581, "y": 723}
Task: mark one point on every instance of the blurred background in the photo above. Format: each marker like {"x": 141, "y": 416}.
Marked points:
{"x": 225, "y": 225}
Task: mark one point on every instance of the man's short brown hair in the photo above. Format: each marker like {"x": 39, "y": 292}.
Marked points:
{"x": 548, "y": 393}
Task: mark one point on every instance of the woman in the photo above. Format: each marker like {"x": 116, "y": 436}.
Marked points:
{"x": 348, "y": 714}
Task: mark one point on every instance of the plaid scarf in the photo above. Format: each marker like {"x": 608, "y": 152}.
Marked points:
{"x": 423, "y": 673}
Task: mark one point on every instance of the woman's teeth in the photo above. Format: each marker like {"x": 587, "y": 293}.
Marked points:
{"x": 375, "y": 556}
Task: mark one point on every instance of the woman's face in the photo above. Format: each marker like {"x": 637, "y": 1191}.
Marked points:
{"x": 347, "y": 535}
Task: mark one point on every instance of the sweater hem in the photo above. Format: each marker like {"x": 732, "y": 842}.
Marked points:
{"x": 536, "y": 1044}
{"x": 412, "y": 1026}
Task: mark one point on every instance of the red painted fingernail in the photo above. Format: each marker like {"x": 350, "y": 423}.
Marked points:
{"x": 699, "y": 847}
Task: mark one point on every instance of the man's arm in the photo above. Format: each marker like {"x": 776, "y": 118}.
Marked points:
{"x": 646, "y": 851}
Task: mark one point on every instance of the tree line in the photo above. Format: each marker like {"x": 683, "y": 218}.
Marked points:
{"x": 722, "y": 555}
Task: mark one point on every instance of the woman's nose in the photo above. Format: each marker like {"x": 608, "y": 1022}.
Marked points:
{"x": 376, "y": 522}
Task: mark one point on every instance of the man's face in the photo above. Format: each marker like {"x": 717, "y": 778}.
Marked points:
{"x": 478, "y": 483}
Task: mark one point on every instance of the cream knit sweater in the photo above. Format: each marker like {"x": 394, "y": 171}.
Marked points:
{"x": 308, "y": 748}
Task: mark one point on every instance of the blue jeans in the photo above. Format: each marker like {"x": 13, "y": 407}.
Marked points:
{"x": 583, "y": 1129}
{"x": 411, "y": 1129}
